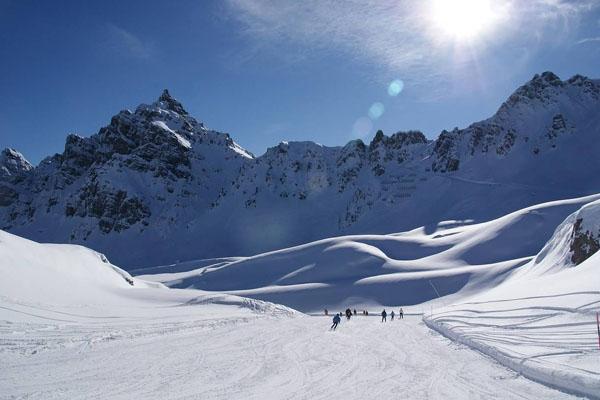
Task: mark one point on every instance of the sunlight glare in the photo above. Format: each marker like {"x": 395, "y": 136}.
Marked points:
{"x": 462, "y": 19}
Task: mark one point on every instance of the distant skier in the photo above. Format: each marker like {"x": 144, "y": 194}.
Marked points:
{"x": 326, "y": 312}
{"x": 336, "y": 321}
{"x": 383, "y": 316}
{"x": 348, "y": 313}
{"x": 401, "y": 315}
{"x": 392, "y": 315}
{"x": 355, "y": 311}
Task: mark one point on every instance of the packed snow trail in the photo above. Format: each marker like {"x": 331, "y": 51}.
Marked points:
{"x": 260, "y": 357}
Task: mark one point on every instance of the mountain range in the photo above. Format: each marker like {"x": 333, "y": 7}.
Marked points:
{"x": 156, "y": 186}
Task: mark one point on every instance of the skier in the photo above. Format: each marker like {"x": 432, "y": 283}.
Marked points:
{"x": 326, "y": 312}
{"x": 401, "y": 313}
{"x": 383, "y": 316}
{"x": 355, "y": 311}
{"x": 392, "y": 315}
{"x": 348, "y": 313}
{"x": 336, "y": 321}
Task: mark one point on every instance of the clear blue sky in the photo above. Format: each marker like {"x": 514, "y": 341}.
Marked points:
{"x": 283, "y": 70}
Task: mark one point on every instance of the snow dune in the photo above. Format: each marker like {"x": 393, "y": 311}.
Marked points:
{"x": 453, "y": 258}
{"x": 71, "y": 284}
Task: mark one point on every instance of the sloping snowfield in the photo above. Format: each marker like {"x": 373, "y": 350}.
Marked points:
{"x": 74, "y": 326}
{"x": 541, "y": 321}
{"x": 457, "y": 257}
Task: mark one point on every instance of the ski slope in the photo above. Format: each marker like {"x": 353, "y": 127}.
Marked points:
{"x": 225, "y": 356}
{"x": 74, "y": 326}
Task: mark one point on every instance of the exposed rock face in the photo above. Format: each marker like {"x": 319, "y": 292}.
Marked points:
{"x": 584, "y": 243}
{"x": 12, "y": 163}
{"x": 156, "y": 176}
{"x": 13, "y": 168}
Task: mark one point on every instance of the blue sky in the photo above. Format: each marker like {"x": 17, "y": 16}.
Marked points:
{"x": 267, "y": 71}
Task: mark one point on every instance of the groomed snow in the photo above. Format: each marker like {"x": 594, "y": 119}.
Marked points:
{"x": 208, "y": 353}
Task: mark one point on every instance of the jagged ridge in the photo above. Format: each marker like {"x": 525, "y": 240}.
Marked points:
{"x": 157, "y": 175}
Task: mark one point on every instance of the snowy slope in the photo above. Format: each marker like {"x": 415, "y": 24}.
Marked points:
{"x": 541, "y": 321}
{"x": 155, "y": 186}
{"x": 267, "y": 358}
{"x": 72, "y": 325}
{"x": 371, "y": 270}
{"x": 68, "y": 283}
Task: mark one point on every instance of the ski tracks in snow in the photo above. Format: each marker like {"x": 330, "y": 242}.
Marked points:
{"x": 264, "y": 358}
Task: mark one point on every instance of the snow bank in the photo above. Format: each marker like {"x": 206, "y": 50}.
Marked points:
{"x": 58, "y": 274}
{"x": 257, "y": 306}
{"x": 568, "y": 379}
{"x": 541, "y": 321}
{"x": 70, "y": 283}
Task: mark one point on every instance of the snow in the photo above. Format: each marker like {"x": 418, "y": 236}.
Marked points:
{"x": 456, "y": 257}
{"x": 541, "y": 321}
{"x": 218, "y": 354}
{"x": 241, "y": 151}
{"x": 540, "y": 146}
{"x": 520, "y": 287}
{"x": 72, "y": 325}
{"x": 183, "y": 141}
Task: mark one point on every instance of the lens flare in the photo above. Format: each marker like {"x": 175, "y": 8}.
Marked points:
{"x": 376, "y": 111}
{"x": 395, "y": 87}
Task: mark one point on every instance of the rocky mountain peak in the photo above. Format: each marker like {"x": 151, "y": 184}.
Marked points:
{"x": 13, "y": 163}
{"x": 546, "y": 88}
{"x": 398, "y": 139}
{"x": 168, "y": 102}
{"x": 157, "y": 173}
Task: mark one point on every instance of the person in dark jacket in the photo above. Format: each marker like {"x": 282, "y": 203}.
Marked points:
{"x": 383, "y": 316}
{"x": 392, "y": 315}
{"x": 401, "y": 316}
{"x": 348, "y": 313}
{"x": 336, "y": 321}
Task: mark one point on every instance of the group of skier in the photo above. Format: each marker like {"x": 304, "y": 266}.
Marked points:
{"x": 338, "y": 316}
{"x": 392, "y": 315}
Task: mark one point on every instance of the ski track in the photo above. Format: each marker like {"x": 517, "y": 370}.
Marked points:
{"x": 254, "y": 357}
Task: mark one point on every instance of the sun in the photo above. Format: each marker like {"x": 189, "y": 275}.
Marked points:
{"x": 462, "y": 20}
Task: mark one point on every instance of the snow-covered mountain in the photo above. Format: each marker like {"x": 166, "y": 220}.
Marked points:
{"x": 156, "y": 186}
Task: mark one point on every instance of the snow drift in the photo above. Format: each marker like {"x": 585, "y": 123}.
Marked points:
{"x": 70, "y": 283}
{"x": 366, "y": 270}
{"x": 541, "y": 320}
